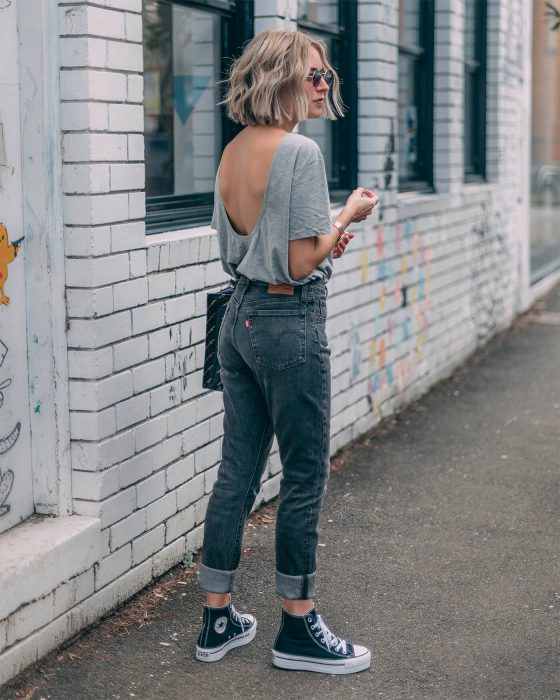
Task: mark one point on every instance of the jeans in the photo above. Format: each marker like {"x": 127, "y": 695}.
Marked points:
{"x": 275, "y": 369}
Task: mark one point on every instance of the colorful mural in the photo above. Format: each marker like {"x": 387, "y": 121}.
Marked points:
{"x": 8, "y": 253}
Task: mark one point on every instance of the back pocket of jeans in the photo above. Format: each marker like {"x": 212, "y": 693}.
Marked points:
{"x": 278, "y": 337}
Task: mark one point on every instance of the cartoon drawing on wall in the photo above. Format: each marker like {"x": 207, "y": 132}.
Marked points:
{"x": 10, "y": 440}
{"x": 4, "y": 385}
{"x": 3, "y": 352}
{"x": 6, "y": 483}
{"x": 4, "y": 4}
{"x": 8, "y": 252}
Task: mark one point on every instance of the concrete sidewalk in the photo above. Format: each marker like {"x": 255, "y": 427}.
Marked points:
{"x": 439, "y": 549}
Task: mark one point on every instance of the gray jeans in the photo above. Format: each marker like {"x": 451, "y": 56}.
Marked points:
{"x": 275, "y": 368}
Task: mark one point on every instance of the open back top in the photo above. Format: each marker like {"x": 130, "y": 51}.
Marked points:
{"x": 295, "y": 205}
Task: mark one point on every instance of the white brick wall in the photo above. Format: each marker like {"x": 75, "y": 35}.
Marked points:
{"x": 146, "y": 439}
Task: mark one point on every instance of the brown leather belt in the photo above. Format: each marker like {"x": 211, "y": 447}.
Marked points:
{"x": 281, "y": 289}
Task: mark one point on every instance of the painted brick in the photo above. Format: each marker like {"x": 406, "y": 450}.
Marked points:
{"x": 87, "y": 303}
{"x": 207, "y": 456}
{"x": 150, "y": 432}
{"x": 82, "y": 52}
{"x": 148, "y": 318}
{"x": 150, "y": 489}
{"x": 200, "y": 510}
{"x": 125, "y": 117}
{"x": 179, "y": 472}
{"x": 84, "y": 396}
{"x": 160, "y": 510}
{"x": 148, "y": 544}
{"x": 135, "y": 91}
{"x": 131, "y": 293}
{"x": 167, "y": 451}
{"x": 92, "y": 210}
{"x": 196, "y": 437}
{"x": 165, "y": 397}
{"x": 168, "y": 557}
{"x": 93, "y": 456}
{"x": 130, "y": 5}
{"x": 137, "y": 263}
{"x": 29, "y": 618}
{"x": 94, "y": 21}
{"x": 135, "y": 147}
{"x": 130, "y": 352}
{"x": 162, "y": 285}
{"x": 180, "y": 418}
{"x": 179, "y": 524}
{"x": 128, "y": 236}
{"x": 113, "y": 566}
{"x": 137, "y": 205}
{"x": 127, "y": 176}
{"x": 133, "y": 411}
{"x": 92, "y": 333}
{"x": 179, "y": 308}
{"x": 165, "y": 340}
{"x": 95, "y": 485}
{"x": 73, "y": 592}
{"x": 85, "y": 242}
{"x": 133, "y": 27}
{"x": 81, "y": 116}
{"x": 94, "y": 147}
{"x": 85, "y": 179}
{"x": 93, "y": 85}
{"x": 94, "y": 425}
{"x": 148, "y": 375}
{"x": 111, "y": 509}
{"x": 96, "y": 272}
{"x": 90, "y": 364}
{"x": 127, "y": 529}
{"x": 124, "y": 56}
{"x": 190, "y": 492}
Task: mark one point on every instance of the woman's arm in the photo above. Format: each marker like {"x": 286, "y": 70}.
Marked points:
{"x": 305, "y": 254}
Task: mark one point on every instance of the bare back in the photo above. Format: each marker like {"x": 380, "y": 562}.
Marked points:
{"x": 244, "y": 170}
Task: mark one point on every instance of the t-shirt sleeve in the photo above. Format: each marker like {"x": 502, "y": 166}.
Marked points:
{"x": 310, "y": 206}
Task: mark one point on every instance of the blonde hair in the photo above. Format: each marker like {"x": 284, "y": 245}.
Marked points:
{"x": 264, "y": 85}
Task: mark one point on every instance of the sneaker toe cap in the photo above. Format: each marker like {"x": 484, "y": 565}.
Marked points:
{"x": 360, "y": 651}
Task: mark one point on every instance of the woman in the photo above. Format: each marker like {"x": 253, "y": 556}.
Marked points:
{"x": 277, "y": 241}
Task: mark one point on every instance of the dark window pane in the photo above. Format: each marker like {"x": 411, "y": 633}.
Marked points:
{"x": 469, "y": 121}
{"x": 182, "y": 121}
{"x": 408, "y": 118}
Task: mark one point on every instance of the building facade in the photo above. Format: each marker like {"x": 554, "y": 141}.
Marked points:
{"x": 110, "y": 135}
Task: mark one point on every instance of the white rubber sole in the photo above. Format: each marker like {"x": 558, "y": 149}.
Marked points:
{"x": 210, "y": 655}
{"x": 304, "y": 663}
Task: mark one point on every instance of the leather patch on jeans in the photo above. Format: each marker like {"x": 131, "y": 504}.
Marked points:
{"x": 281, "y": 289}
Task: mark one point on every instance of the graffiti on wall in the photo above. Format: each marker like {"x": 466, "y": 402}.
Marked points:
{"x": 6, "y": 442}
{"x": 402, "y": 314}
{"x": 8, "y": 253}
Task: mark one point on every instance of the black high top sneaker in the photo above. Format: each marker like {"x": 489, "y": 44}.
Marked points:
{"x": 223, "y": 629}
{"x": 306, "y": 644}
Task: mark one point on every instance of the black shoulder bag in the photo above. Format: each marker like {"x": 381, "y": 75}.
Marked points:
{"x": 216, "y": 304}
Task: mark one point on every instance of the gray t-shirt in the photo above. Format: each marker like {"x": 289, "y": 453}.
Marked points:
{"x": 295, "y": 205}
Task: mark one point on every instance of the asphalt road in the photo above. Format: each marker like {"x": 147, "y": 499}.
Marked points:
{"x": 439, "y": 549}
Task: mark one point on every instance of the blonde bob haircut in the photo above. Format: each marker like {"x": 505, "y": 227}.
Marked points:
{"x": 265, "y": 83}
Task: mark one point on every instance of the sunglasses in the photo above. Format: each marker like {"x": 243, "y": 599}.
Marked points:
{"x": 317, "y": 75}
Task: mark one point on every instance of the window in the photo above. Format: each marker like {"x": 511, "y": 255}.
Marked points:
{"x": 475, "y": 89}
{"x": 335, "y": 23}
{"x": 187, "y": 48}
{"x": 416, "y": 88}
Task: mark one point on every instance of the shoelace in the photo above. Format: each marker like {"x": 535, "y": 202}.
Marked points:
{"x": 330, "y": 639}
{"x": 242, "y": 621}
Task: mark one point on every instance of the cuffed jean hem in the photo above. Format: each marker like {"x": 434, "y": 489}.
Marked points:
{"x": 295, "y": 587}
{"x": 216, "y": 581}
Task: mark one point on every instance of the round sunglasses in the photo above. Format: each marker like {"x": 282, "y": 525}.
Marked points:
{"x": 316, "y": 76}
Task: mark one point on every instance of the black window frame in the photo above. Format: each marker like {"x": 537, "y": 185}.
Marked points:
{"x": 173, "y": 212}
{"x": 344, "y": 58}
{"x": 477, "y": 69}
{"x": 423, "y": 56}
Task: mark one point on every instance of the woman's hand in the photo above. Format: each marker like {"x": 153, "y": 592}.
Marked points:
{"x": 343, "y": 241}
{"x": 361, "y": 203}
